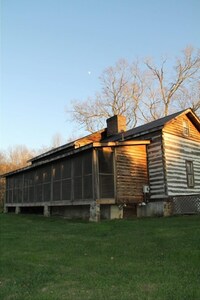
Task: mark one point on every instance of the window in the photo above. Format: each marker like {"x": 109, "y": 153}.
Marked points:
{"x": 106, "y": 173}
{"x": 66, "y": 179}
{"x": 185, "y": 128}
{"x": 190, "y": 173}
{"x": 82, "y": 168}
{"x": 56, "y": 172}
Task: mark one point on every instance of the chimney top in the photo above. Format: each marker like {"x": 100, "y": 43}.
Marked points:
{"x": 116, "y": 124}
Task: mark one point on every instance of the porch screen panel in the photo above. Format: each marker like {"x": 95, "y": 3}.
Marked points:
{"x": 82, "y": 176}
{"x": 25, "y": 194}
{"x": 106, "y": 172}
{"x": 56, "y": 182}
{"x": 87, "y": 187}
{"x": 77, "y": 188}
{"x": 31, "y": 178}
{"x": 9, "y": 190}
{"x": 66, "y": 189}
{"x": 77, "y": 180}
{"x": 7, "y": 196}
{"x": 28, "y": 182}
{"x": 56, "y": 191}
{"x": 38, "y": 185}
{"x": 18, "y": 189}
{"x": 47, "y": 183}
{"x": 87, "y": 175}
{"x": 66, "y": 180}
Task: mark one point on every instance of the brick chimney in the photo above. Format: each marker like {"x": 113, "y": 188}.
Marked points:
{"x": 116, "y": 124}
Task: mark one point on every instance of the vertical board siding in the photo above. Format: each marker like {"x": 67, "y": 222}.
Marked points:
{"x": 131, "y": 173}
{"x": 178, "y": 150}
{"x": 156, "y": 168}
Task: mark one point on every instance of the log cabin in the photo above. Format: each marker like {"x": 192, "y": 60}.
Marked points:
{"x": 153, "y": 169}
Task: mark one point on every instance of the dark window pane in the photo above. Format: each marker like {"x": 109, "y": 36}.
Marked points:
{"x": 47, "y": 192}
{"x": 66, "y": 169}
{"x": 10, "y": 193}
{"x": 26, "y": 182}
{"x": 106, "y": 183}
{"x": 32, "y": 194}
{"x": 190, "y": 180}
{"x": 31, "y": 178}
{"x": 20, "y": 195}
{"x": 87, "y": 187}
{"x": 38, "y": 190}
{"x": 87, "y": 163}
{"x": 190, "y": 173}
{"x": 16, "y": 183}
{"x": 15, "y": 196}
{"x": 10, "y": 183}
{"x": 66, "y": 189}
{"x": 57, "y": 191}
{"x": 7, "y": 196}
{"x": 105, "y": 160}
{"x": 47, "y": 174}
{"x": 78, "y": 188}
{"x": 26, "y": 194}
{"x": 39, "y": 176}
{"x": 57, "y": 172}
{"x": 77, "y": 165}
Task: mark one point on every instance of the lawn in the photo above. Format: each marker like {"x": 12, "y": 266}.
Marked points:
{"x": 54, "y": 259}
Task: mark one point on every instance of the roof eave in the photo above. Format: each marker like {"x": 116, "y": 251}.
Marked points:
{"x": 77, "y": 150}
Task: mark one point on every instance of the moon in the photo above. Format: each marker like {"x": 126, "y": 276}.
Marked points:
{"x": 89, "y": 72}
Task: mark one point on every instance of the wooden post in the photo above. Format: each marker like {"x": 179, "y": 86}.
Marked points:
{"x": 95, "y": 175}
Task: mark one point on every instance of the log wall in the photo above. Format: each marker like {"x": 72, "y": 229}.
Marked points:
{"x": 180, "y": 147}
{"x": 178, "y": 150}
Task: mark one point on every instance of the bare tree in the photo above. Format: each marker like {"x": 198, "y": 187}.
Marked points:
{"x": 57, "y": 140}
{"x": 189, "y": 97}
{"x": 168, "y": 90}
{"x": 14, "y": 158}
{"x": 18, "y": 156}
{"x": 121, "y": 92}
{"x": 142, "y": 92}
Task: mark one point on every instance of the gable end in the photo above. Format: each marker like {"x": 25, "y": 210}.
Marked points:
{"x": 186, "y": 125}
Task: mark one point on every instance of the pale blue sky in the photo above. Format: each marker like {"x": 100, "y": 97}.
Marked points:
{"x": 48, "y": 47}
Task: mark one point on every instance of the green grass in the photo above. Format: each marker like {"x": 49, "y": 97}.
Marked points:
{"x": 54, "y": 259}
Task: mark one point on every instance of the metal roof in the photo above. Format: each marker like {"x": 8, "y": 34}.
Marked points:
{"x": 154, "y": 126}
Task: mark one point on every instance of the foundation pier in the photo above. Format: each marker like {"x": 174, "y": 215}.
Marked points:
{"x": 94, "y": 212}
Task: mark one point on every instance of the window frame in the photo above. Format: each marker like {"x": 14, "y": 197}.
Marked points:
{"x": 190, "y": 173}
{"x": 106, "y": 172}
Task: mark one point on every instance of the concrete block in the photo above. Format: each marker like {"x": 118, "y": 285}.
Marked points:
{"x": 168, "y": 209}
{"x": 17, "y": 210}
{"x": 5, "y": 209}
{"x": 151, "y": 209}
{"x": 46, "y": 211}
{"x": 116, "y": 212}
{"x": 94, "y": 212}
